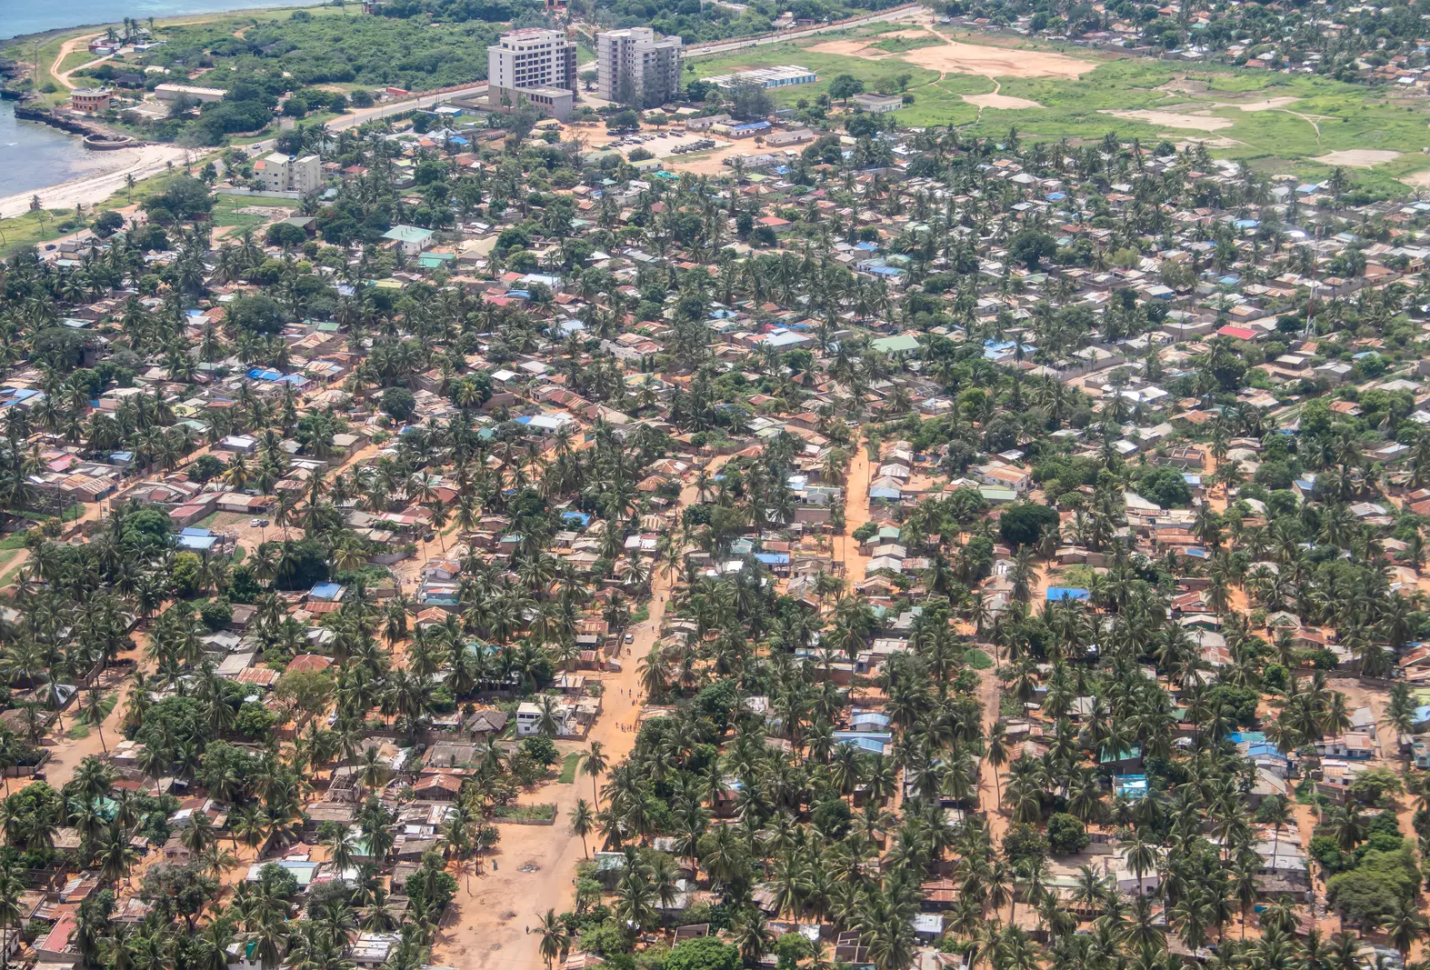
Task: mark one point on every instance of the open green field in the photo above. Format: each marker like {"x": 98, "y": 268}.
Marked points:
{"x": 872, "y": 73}
{"x": 226, "y": 210}
{"x": 1273, "y": 121}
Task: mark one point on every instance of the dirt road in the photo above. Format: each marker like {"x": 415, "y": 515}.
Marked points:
{"x": 68, "y": 48}
{"x": 493, "y": 910}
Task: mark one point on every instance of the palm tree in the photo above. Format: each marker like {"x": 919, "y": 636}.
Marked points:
{"x": 996, "y": 751}
{"x": 1407, "y": 924}
{"x": 583, "y": 820}
{"x": 554, "y": 938}
{"x": 594, "y": 764}
{"x": 12, "y": 885}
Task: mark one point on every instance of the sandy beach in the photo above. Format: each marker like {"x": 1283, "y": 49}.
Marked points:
{"x": 111, "y": 171}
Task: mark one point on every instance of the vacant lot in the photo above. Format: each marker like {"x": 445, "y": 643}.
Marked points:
{"x": 1300, "y": 124}
{"x": 1358, "y": 157}
{"x": 956, "y": 57}
{"x": 1200, "y": 121}
{"x": 1005, "y": 101}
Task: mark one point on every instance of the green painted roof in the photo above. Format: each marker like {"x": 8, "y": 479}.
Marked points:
{"x": 411, "y": 234}
{"x": 901, "y": 344}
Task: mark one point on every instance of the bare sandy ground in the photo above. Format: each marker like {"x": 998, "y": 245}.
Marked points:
{"x": 664, "y": 146}
{"x": 1183, "y": 85}
{"x": 958, "y": 57}
{"x": 711, "y": 162}
{"x": 997, "y": 61}
{"x": 1171, "y": 119}
{"x": 1357, "y": 157}
{"x": 1270, "y": 104}
{"x": 849, "y": 48}
{"x": 1004, "y": 101}
{"x": 66, "y": 49}
{"x": 88, "y": 190}
{"x": 1420, "y": 180}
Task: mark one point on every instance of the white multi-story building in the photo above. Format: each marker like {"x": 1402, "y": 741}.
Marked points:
{"x": 637, "y": 66}
{"x": 285, "y": 173}
{"x": 533, "y": 65}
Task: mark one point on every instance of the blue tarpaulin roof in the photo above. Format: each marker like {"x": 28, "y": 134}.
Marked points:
{"x": 1059, "y": 593}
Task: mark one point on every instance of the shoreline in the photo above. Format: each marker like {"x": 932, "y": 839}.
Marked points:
{"x": 100, "y": 184}
{"x": 259, "y": 7}
{"x": 101, "y": 175}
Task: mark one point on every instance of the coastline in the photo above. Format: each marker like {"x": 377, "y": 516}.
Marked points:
{"x": 109, "y": 177}
{"x": 99, "y": 176}
{"x": 256, "y": 6}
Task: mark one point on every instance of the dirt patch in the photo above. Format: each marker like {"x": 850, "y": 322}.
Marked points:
{"x": 1170, "y": 119}
{"x": 953, "y": 56}
{"x": 1358, "y": 157}
{"x": 1419, "y": 180}
{"x": 1004, "y": 101}
{"x": 711, "y": 162}
{"x": 1183, "y": 85}
{"x": 847, "y": 48}
{"x": 996, "y": 61}
{"x": 1268, "y": 104}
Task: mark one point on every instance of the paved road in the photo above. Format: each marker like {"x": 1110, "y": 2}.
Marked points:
{"x": 354, "y": 118}
{"x": 784, "y": 38}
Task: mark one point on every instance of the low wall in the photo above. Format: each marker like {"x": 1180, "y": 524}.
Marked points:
{"x": 107, "y": 143}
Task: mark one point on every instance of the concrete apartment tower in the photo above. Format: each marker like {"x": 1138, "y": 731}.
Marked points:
{"x": 284, "y": 173}
{"x": 637, "y": 66}
{"x": 534, "y": 65}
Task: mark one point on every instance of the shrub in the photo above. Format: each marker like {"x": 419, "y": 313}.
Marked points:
{"x": 399, "y": 403}
{"x": 705, "y": 953}
{"x": 1066, "y": 834}
{"x": 1023, "y": 523}
{"x": 216, "y": 613}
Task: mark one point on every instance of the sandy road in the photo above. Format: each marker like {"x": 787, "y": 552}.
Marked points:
{"x": 66, "y": 49}
{"x": 494, "y": 909}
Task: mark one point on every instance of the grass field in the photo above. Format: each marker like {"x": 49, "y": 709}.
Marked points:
{"x": 872, "y": 73}
{"x": 568, "y": 768}
{"x": 1290, "y": 120}
{"x": 36, "y": 228}
{"x": 225, "y": 210}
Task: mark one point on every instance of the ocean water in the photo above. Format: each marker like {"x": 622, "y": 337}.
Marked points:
{"x": 18, "y": 17}
{"x": 34, "y": 156}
